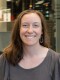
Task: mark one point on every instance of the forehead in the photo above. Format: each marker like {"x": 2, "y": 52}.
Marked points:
{"x": 31, "y": 16}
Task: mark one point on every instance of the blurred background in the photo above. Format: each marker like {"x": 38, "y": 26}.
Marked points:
{"x": 9, "y": 10}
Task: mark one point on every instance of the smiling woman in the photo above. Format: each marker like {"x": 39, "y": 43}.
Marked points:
{"x": 30, "y": 30}
{"x": 28, "y": 56}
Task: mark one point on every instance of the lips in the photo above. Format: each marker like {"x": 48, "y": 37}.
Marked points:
{"x": 30, "y": 36}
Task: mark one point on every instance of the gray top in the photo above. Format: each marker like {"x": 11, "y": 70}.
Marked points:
{"x": 49, "y": 69}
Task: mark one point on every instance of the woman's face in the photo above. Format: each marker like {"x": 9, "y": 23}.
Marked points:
{"x": 31, "y": 29}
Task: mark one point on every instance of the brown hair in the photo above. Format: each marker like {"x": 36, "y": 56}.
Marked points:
{"x": 14, "y": 51}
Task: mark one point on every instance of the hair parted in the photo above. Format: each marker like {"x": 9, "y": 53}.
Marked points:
{"x": 14, "y": 51}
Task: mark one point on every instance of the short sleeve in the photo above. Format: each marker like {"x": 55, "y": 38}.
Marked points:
{"x": 56, "y": 72}
{"x": 2, "y": 62}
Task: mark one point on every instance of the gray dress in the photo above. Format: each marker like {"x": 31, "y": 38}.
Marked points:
{"x": 49, "y": 69}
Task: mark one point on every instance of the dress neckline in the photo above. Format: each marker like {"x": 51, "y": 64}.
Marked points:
{"x": 33, "y": 68}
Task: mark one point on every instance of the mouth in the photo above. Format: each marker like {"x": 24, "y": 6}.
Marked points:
{"x": 30, "y": 36}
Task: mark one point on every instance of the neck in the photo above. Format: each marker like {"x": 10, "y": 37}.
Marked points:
{"x": 31, "y": 51}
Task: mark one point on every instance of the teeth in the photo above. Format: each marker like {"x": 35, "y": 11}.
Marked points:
{"x": 29, "y": 37}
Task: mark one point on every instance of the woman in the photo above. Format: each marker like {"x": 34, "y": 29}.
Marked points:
{"x": 28, "y": 56}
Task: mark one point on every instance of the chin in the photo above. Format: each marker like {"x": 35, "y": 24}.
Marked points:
{"x": 30, "y": 43}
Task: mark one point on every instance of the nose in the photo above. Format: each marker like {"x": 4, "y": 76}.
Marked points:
{"x": 30, "y": 29}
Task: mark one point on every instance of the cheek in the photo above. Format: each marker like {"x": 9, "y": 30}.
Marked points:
{"x": 39, "y": 31}
{"x": 22, "y": 32}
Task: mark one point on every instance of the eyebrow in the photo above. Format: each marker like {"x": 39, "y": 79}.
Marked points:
{"x": 33, "y": 22}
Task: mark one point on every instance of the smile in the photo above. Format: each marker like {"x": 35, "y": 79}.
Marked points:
{"x": 30, "y": 36}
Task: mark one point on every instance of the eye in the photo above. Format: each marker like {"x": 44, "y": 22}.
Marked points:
{"x": 35, "y": 25}
{"x": 25, "y": 25}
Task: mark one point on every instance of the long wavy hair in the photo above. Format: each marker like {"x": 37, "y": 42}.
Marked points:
{"x": 14, "y": 51}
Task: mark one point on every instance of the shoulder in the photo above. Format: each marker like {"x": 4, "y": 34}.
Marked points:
{"x": 55, "y": 59}
{"x": 2, "y": 59}
{"x": 54, "y": 55}
{"x": 2, "y": 66}
{"x": 55, "y": 64}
